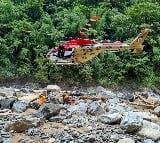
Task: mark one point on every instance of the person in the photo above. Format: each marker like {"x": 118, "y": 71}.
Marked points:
{"x": 65, "y": 97}
{"x": 39, "y": 101}
{"x": 61, "y": 51}
{"x": 68, "y": 98}
{"x": 42, "y": 99}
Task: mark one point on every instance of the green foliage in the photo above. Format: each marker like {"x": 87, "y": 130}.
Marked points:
{"x": 23, "y": 55}
{"x": 86, "y": 74}
{"x": 7, "y": 11}
{"x": 144, "y": 12}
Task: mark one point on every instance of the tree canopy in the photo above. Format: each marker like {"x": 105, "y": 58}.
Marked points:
{"x": 23, "y": 55}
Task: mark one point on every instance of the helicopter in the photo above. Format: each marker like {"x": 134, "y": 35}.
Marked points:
{"x": 81, "y": 50}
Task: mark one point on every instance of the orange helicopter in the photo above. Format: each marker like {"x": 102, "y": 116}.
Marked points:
{"x": 80, "y": 50}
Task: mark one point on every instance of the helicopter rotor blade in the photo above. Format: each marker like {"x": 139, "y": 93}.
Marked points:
{"x": 88, "y": 25}
{"x": 28, "y": 31}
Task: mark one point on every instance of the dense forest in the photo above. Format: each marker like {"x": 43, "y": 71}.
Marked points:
{"x": 23, "y": 55}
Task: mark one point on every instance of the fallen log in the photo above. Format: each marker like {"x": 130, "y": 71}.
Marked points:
{"x": 93, "y": 98}
{"x": 143, "y": 99}
{"x": 152, "y": 106}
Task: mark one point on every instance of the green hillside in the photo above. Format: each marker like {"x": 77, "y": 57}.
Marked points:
{"x": 23, "y": 55}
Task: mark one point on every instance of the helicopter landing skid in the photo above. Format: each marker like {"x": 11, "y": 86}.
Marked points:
{"x": 65, "y": 63}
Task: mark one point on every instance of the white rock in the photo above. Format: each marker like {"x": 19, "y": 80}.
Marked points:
{"x": 111, "y": 118}
{"x": 148, "y": 116}
{"x": 150, "y": 130}
{"x": 17, "y": 90}
{"x": 51, "y": 140}
{"x": 126, "y": 140}
{"x": 53, "y": 88}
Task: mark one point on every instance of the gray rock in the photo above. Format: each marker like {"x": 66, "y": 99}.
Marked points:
{"x": 147, "y": 116}
{"x": 25, "y": 90}
{"x": 156, "y": 90}
{"x": 7, "y": 103}
{"x": 23, "y": 124}
{"x": 120, "y": 107}
{"x": 20, "y": 106}
{"x": 100, "y": 91}
{"x": 95, "y": 109}
{"x": 82, "y": 109}
{"x": 54, "y": 100}
{"x": 3, "y": 94}
{"x": 111, "y": 118}
{"x": 126, "y": 140}
{"x": 145, "y": 94}
{"x": 148, "y": 141}
{"x": 57, "y": 118}
{"x": 1, "y": 140}
{"x": 7, "y": 140}
{"x": 48, "y": 110}
{"x": 131, "y": 122}
{"x": 79, "y": 109}
{"x": 130, "y": 97}
{"x": 150, "y": 130}
{"x": 4, "y": 134}
{"x": 157, "y": 111}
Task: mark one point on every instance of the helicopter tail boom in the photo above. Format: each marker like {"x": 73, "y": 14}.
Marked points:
{"x": 88, "y": 25}
{"x": 137, "y": 43}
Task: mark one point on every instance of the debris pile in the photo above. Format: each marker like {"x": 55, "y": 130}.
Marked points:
{"x": 87, "y": 114}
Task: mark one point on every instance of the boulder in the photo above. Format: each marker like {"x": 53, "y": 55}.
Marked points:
{"x": 23, "y": 123}
{"x": 55, "y": 97}
{"x": 80, "y": 109}
{"x": 126, "y": 140}
{"x": 157, "y": 111}
{"x": 20, "y": 106}
{"x": 25, "y": 90}
{"x": 145, "y": 94}
{"x": 7, "y": 103}
{"x": 111, "y": 118}
{"x": 48, "y": 110}
{"x": 1, "y": 140}
{"x": 95, "y": 109}
{"x": 120, "y": 107}
{"x": 3, "y": 95}
{"x": 131, "y": 122}
{"x": 53, "y": 88}
{"x": 148, "y": 141}
{"x": 148, "y": 116}
{"x": 130, "y": 97}
{"x": 150, "y": 130}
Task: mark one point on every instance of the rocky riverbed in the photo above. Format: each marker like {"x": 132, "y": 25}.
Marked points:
{"x": 125, "y": 116}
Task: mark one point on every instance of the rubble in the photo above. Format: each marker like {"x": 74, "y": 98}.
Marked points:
{"x": 98, "y": 115}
